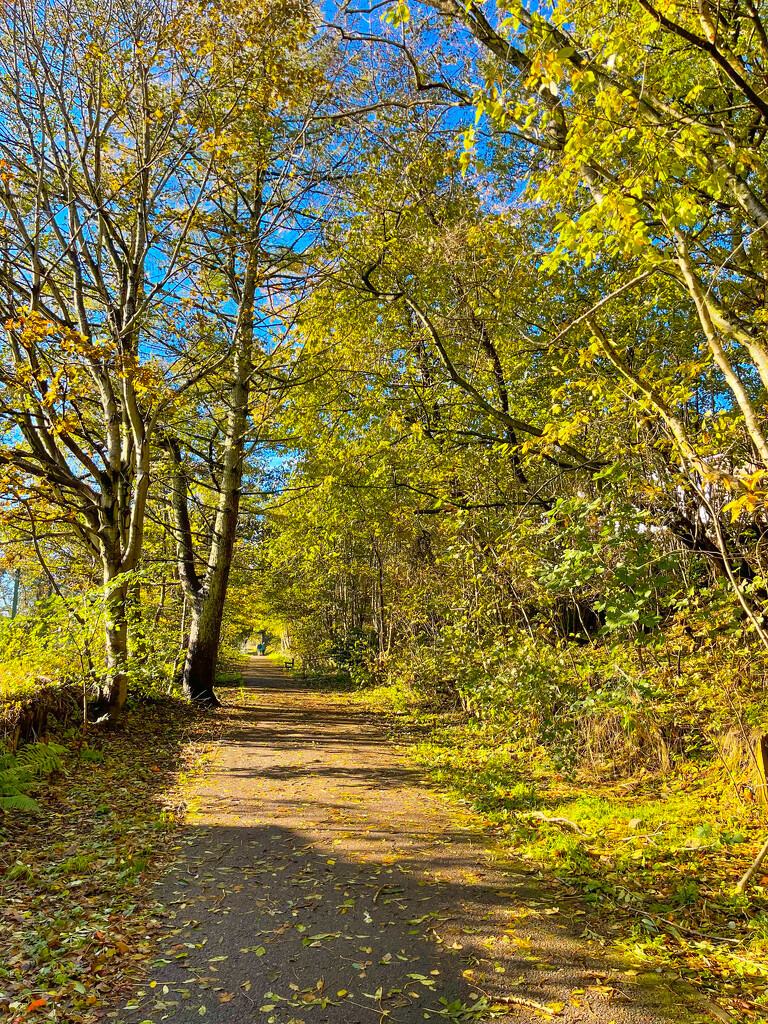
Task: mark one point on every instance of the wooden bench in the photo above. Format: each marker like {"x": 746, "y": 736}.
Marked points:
{"x": 289, "y": 662}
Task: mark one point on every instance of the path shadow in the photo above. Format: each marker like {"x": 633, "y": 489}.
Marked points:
{"x": 264, "y": 925}
{"x": 327, "y": 887}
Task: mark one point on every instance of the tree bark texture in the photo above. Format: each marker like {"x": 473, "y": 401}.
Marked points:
{"x": 207, "y": 595}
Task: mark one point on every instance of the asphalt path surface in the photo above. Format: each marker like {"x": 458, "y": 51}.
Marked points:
{"x": 321, "y": 881}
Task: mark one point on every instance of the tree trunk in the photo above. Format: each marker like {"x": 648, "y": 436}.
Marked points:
{"x": 199, "y": 673}
{"x": 207, "y": 595}
{"x": 203, "y": 647}
{"x": 116, "y": 627}
{"x": 208, "y": 601}
{"x": 208, "y": 598}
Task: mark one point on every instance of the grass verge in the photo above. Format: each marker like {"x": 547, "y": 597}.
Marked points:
{"x": 657, "y": 855}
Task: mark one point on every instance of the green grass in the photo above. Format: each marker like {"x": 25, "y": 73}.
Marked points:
{"x": 657, "y": 854}
{"x": 228, "y": 678}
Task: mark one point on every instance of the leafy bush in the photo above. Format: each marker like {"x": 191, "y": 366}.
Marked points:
{"x": 355, "y": 651}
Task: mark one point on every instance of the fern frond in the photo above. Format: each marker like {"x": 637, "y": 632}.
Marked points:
{"x": 19, "y": 802}
{"x": 40, "y": 758}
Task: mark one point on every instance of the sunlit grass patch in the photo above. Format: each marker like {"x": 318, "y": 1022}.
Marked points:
{"x": 229, "y": 678}
{"x": 656, "y": 853}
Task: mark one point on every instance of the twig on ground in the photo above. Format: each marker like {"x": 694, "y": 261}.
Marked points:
{"x": 682, "y": 928}
{"x": 564, "y": 822}
{"x": 523, "y": 1001}
{"x": 518, "y": 1001}
{"x": 751, "y": 871}
{"x": 648, "y": 835}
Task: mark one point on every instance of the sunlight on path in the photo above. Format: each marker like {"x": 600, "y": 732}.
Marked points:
{"x": 320, "y": 881}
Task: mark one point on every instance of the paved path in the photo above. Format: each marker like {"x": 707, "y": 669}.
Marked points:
{"x": 320, "y": 881}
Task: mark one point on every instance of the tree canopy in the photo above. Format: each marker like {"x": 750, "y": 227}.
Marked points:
{"x": 439, "y": 329}
{"x": 424, "y": 341}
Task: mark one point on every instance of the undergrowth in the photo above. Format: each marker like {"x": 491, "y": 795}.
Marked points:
{"x": 76, "y": 863}
{"x": 21, "y": 770}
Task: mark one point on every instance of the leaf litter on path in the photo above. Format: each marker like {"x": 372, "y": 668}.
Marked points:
{"x": 312, "y": 865}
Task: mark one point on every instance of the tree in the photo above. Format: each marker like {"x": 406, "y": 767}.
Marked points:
{"x": 109, "y": 138}
{"x": 249, "y": 249}
{"x": 646, "y": 170}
